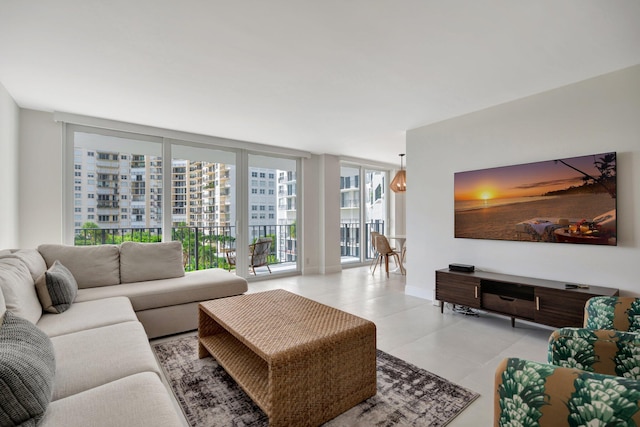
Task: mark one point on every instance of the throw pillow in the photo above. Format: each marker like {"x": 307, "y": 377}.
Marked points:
{"x": 57, "y": 289}
{"x": 27, "y": 368}
{"x": 20, "y": 294}
{"x": 32, "y": 259}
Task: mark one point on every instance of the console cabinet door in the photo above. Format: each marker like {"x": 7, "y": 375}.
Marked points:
{"x": 458, "y": 289}
{"x": 560, "y": 308}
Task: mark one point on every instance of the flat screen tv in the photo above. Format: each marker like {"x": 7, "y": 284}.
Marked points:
{"x": 569, "y": 200}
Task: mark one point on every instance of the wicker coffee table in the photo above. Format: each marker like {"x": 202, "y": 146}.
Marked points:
{"x": 302, "y": 362}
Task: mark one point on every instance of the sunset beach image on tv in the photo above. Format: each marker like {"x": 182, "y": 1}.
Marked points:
{"x": 569, "y": 200}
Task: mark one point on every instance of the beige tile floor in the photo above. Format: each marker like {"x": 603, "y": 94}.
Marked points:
{"x": 463, "y": 349}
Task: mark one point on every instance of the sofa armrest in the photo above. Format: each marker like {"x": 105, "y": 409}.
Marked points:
{"x": 596, "y": 350}
{"x": 533, "y": 393}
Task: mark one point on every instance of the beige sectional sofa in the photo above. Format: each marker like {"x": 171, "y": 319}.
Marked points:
{"x": 91, "y": 364}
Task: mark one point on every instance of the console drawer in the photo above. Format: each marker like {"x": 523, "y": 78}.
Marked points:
{"x": 523, "y": 308}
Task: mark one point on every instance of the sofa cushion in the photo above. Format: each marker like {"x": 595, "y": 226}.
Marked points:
{"x": 195, "y": 286}
{"x": 91, "y": 358}
{"x": 32, "y": 259}
{"x": 88, "y": 315}
{"x": 137, "y": 400}
{"x": 19, "y": 290}
{"x": 90, "y": 265}
{"x": 150, "y": 261}
{"x": 56, "y": 288}
{"x": 27, "y": 368}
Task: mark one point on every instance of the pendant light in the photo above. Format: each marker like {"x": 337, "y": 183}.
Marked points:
{"x": 399, "y": 182}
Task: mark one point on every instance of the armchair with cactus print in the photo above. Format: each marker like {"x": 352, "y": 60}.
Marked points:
{"x": 608, "y": 344}
{"x": 533, "y": 394}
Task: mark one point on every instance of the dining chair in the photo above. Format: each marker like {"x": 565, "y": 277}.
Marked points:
{"x": 375, "y": 258}
{"x": 385, "y": 251}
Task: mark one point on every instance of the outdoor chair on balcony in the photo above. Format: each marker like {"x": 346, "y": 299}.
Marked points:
{"x": 258, "y": 255}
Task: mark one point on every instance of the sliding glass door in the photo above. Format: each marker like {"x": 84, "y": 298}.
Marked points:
{"x": 203, "y": 201}
{"x": 273, "y": 210}
{"x": 363, "y": 208}
{"x": 350, "y": 221}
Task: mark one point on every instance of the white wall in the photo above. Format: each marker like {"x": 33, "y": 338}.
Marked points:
{"x": 329, "y": 242}
{"x": 9, "y": 122}
{"x": 311, "y": 203}
{"x": 40, "y": 179}
{"x": 597, "y": 115}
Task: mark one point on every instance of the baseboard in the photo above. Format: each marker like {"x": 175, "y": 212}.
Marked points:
{"x": 415, "y": 291}
{"x": 310, "y": 270}
{"x": 332, "y": 269}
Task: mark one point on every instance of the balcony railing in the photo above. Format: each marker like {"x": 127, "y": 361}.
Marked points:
{"x": 203, "y": 247}
{"x": 351, "y": 243}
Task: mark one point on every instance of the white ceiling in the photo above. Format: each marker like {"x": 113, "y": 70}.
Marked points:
{"x": 342, "y": 77}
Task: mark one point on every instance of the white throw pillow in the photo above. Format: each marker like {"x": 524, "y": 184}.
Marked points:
{"x": 150, "y": 261}
{"x": 19, "y": 290}
{"x": 32, "y": 259}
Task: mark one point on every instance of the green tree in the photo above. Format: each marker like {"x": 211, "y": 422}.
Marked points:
{"x": 87, "y": 235}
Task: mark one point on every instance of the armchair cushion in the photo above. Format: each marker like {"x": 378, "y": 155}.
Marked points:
{"x": 536, "y": 394}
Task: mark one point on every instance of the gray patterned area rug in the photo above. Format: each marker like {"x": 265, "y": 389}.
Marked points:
{"x": 407, "y": 395}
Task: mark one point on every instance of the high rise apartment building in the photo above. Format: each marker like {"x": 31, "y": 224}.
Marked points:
{"x": 120, "y": 190}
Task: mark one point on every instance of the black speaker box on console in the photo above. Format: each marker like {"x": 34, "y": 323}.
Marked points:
{"x": 461, "y": 267}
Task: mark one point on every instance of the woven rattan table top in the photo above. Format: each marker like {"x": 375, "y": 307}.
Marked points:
{"x": 277, "y": 322}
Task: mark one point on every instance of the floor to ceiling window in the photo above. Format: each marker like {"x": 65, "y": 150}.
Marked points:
{"x": 376, "y": 210}
{"x": 123, "y": 186}
{"x": 363, "y": 209}
{"x": 117, "y": 188}
{"x": 273, "y": 209}
{"x": 203, "y": 195}
{"x": 350, "y": 221}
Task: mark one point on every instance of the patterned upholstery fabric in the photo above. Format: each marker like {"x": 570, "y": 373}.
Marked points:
{"x": 609, "y": 343}
{"x": 619, "y": 313}
{"x": 536, "y": 394}
{"x": 598, "y": 350}
{"x": 27, "y": 368}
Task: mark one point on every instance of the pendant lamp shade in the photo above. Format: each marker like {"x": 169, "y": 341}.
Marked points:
{"x": 399, "y": 182}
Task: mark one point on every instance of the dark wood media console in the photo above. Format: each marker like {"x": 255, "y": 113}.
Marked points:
{"x": 547, "y": 302}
